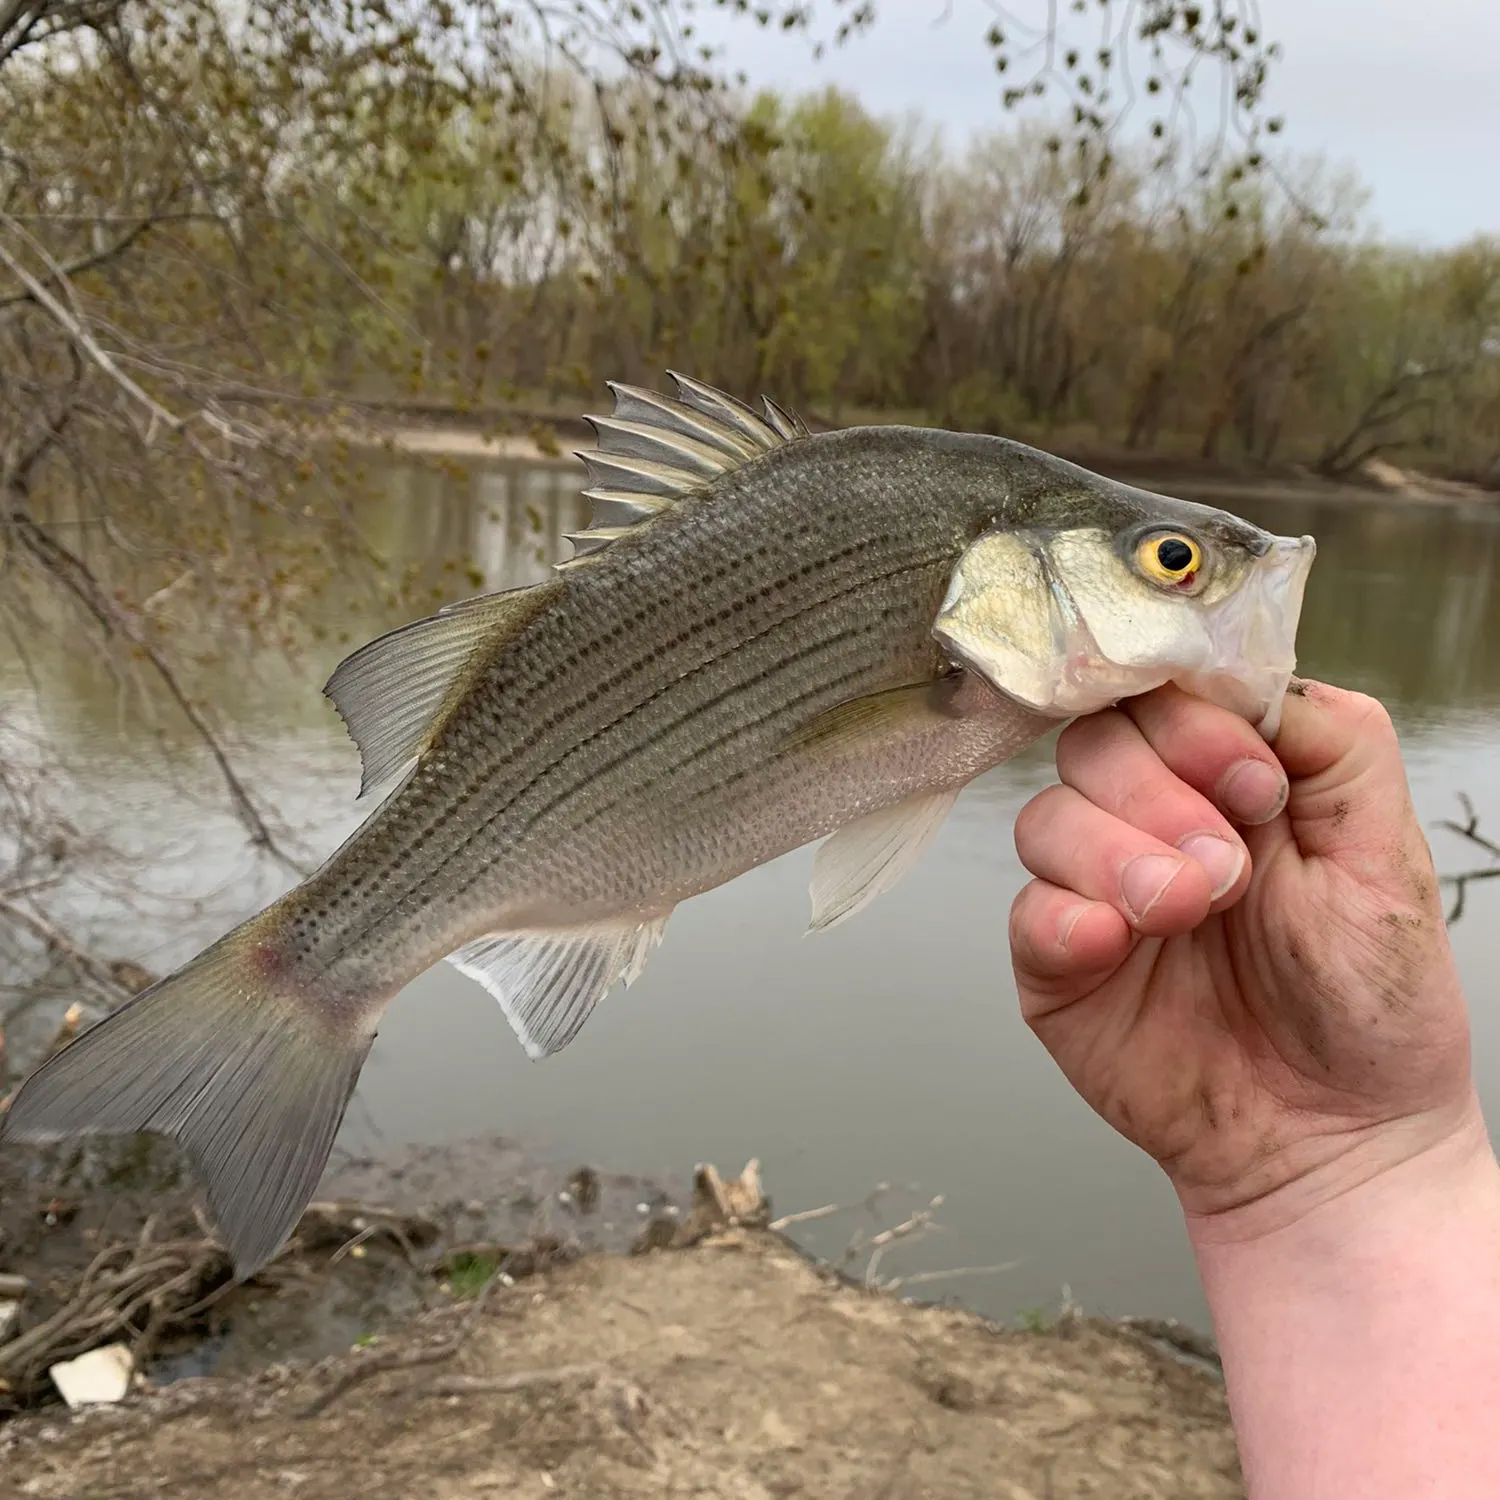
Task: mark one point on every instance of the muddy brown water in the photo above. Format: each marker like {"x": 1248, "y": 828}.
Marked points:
{"x": 888, "y": 1051}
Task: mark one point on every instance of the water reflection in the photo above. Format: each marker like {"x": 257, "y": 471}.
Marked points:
{"x": 887, "y": 1050}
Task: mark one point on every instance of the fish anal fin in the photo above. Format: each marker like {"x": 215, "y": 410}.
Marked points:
{"x": 867, "y": 857}
{"x": 393, "y": 692}
{"x": 548, "y": 983}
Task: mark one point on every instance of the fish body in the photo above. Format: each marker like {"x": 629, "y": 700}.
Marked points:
{"x": 767, "y": 637}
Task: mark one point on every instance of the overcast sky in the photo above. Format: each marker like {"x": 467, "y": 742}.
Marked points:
{"x": 1405, "y": 91}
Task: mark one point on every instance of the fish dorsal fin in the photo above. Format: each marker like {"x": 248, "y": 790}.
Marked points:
{"x": 655, "y": 449}
{"x": 395, "y": 692}
{"x": 864, "y": 859}
{"x": 548, "y": 983}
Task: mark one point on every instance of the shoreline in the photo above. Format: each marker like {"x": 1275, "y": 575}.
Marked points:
{"x": 707, "y": 1353}
{"x": 552, "y": 443}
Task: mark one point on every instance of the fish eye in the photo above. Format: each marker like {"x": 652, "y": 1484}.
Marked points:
{"x": 1169, "y": 558}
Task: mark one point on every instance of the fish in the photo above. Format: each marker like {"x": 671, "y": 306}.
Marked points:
{"x": 765, "y": 636}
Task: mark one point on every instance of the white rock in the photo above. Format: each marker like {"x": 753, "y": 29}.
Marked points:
{"x": 97, "y": 1378}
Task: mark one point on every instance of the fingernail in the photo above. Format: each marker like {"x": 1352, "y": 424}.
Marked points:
{"x": 1250, "y": 791}
{"x": 1144, "y": 881}
{"x": 1067, "y": 922}
{"x": 1222, "y": 860}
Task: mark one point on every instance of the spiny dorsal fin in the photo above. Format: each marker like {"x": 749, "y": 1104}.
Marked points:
{"x": 655, "y": 449}
{"x": 394, "y": 692}
{"x": 787, "y": 424}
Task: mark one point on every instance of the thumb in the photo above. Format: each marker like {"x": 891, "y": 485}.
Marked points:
{"x": 1349, "y": 799}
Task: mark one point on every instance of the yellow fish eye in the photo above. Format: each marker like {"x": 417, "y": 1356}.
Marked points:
{"x": 1169, "y": 558}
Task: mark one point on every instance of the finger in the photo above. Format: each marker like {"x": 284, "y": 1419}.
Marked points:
{"x": 1063, "y": 838}
{"x": 1214, "y": 751}
{"x": 1061, "y": 945}
{"x": 1107, "y": 758}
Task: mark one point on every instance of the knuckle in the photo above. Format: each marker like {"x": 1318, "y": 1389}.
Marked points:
{"x": 1038, "y": 814}
{"x": 1368, "y": 713}
{"x": 1085, "y": 736}
{"x": 1376, "y": 718}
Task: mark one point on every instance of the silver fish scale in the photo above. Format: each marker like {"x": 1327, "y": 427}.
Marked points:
{"x": 657, "y": 691}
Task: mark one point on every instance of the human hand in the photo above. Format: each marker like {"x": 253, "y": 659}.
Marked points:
{"x": 1277, "y": 1018}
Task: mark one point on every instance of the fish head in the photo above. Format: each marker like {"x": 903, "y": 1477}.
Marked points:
{"x": 1070, "y": 612}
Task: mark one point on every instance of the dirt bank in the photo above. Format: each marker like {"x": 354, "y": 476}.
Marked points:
{"x": 734, "y": 1369}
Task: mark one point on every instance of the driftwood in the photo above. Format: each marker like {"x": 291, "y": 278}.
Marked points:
{"x": 146, "y": 1289}
{"x": 717, "y": 1205}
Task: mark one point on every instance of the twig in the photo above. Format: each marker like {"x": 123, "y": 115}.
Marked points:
{"x": 383, "y": 1361}
{"x": 74, "y": 574}
{"x": 95, "y": 970}
{"x": 807, "y": 1215}
{"x": 922, "y": 1277}
{"x": 84, "y": 340}
{"x": 1460, "y": 884}
{"x": 499, "y": 1385}
{"x": 628, "y": 1406}
{"x": 1177, "y": 1336}
{"x": 918, "y": 1223}
{"x": 1469, "y": 829}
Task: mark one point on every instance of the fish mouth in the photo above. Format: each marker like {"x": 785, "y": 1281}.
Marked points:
{"x": 1060, "y": 644}
{"x": 1254, "y": 635}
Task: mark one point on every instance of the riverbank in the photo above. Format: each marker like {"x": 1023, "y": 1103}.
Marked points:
{"x": 734, "y": 1368}
{"x": 553, "y": 439}
{"x": 570, "y": 1333}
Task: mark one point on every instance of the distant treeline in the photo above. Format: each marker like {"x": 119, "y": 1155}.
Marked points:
{"x": 276, "y": 210}
{"x": 217, "y": 219}
{"x": 851, "y": 266}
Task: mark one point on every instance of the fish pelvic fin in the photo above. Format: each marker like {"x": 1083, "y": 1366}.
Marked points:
{"x": 655, "y": 449}
{"x": 241, "y": 1073}
{"x": 867, "y": 857}
{"x": 548, "y": 983}
{"x": 396, "y": 692}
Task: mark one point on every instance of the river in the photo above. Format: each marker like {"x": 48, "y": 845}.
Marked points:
{"x": 886, "y": 1051}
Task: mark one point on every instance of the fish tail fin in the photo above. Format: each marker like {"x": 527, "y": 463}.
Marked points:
{"x": 230, "y": 1058}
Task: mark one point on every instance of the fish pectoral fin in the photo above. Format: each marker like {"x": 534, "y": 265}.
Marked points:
{"x": 864, "y": 859}
{"x": 548, "y": 983}
{"x": 394, "y": 692}
{"x": 857, "y": 722}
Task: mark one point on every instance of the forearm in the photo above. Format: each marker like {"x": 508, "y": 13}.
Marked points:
{"x": 1361, "y": 1342}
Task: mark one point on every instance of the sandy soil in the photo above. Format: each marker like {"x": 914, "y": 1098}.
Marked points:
{"x": 734, "y": 1369}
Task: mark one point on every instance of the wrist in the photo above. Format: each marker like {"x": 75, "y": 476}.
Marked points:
{"x": 1359, "y": 1322}
{"x": 1382, "y": 1179}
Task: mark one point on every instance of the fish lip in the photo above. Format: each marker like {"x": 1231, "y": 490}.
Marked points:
{"x": 1268, "y": 614}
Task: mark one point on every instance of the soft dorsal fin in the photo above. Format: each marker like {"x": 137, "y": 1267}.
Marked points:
{"x": 655, "y": 449}
{"x": 394, "y": 692}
